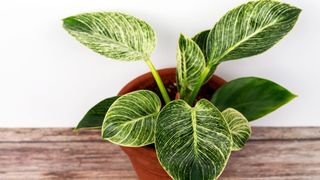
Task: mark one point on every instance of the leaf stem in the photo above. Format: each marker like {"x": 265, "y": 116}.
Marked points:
{"x": 160, "y": 84}
{"x": 197, "y": 87}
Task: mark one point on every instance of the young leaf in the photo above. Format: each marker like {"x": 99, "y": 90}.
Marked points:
{"x": 239, "y": 128}
{"x": 201, "y": 40}
{"x": 114, "y": 35}
{"x": 94, "y": 117}
{"x": 130, "y": 121}
{"x": 192, "y": 143}
{"x": 250, "y": 29}
{"x": 190, "y": 64}
{"x": 253, "y": 97}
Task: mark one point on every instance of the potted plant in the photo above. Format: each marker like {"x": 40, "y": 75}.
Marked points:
{"x": 185, "y": 134}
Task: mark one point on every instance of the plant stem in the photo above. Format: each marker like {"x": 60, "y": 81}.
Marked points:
{"x": 156, "y": 76}
{"x": 196, "y": 89}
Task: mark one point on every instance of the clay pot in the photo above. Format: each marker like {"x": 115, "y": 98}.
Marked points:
{"x": 144, "y": 159}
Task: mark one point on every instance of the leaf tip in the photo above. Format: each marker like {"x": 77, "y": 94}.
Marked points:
{"x": 182, "y": 40}
{"x": 68, "y": 23}
{"x": 299, "y": 9}
{"x": 78, "y": 127}
{"x": 181, "y": 37}
{"x": 76, "y": 130}
{"x": 293, "y": 96}
{"x": 67, "y": 20}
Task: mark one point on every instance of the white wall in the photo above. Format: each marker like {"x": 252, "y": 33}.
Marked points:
{"x": 48, "y": 79}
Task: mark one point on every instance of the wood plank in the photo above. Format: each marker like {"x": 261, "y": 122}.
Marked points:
{"x": 47, "y": 135}
{"x": 293, "y": 133}
{"x": 63, "y": 160}
{"x": 275, "y": 160}
{"x": 272, "y": 153}
{"x": 67, "y": 134}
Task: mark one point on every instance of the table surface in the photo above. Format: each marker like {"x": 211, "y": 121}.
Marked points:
{"x": 51, "y": 153}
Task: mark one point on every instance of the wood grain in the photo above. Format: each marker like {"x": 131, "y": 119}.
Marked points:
{"x": 271, "y": 153}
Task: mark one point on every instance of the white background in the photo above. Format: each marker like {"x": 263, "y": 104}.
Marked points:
{"x": 48, "y": 79}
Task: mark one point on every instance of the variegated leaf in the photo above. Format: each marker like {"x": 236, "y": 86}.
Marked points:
{"x": 190, "y": 64}
{"x": 192, "y": 143}
{"x": 201, "y": 40}
{"x": 130, "y": 121}
{"x": 250, "y": 29}
{"x": 239, "y": 128}
{"x": 114, "y": 35}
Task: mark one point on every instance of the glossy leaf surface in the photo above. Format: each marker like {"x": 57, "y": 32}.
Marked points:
{"x": 253, "y": 97}
{"x": 239, "y": 128}
{"x": 201, "y": 40}
{"x": 190, "y": 64}
{"x": 114, "y": 35}
{"x": 130, "y": 121}
{"x": 250, "y": 29}
{"x": 192, "y": 142}
{"x": 94, "y": 117}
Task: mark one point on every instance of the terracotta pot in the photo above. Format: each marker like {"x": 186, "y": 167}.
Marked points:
{"x": 144, "y": 159}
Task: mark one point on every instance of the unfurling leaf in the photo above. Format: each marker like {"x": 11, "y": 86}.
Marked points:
{"x": 201, "y": 40}
{"x": 250, "y": 29}
{"x": 192, "y": 142}
{"x": 94, "y": 117}
{"x": 130, "y": 121}
{"x": 253, "y": 97}
{"x": 239, "y": 128}
{"x": 190, "y": 64}
{"x": 114, "y": 35}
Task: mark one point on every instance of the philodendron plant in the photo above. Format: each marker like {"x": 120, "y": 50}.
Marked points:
{"x": 193, "y": 140}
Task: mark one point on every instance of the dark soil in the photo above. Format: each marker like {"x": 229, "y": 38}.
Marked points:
{"x": 205, "y": 92}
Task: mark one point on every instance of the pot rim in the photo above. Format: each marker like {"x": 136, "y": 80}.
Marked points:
{"x": 162, "y": 72}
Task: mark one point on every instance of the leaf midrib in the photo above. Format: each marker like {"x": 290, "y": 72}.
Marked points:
{"x": 243, "y": 40}
{"x": 141, "y": 118}
{"x": 138, "y": 119}
{"x": 133, "y": 121}
{"x": 102, "y": 37}
{"x": 194, "y": 128}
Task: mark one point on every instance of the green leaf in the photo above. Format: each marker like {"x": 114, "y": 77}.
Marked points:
{"x": 250, "y": 29}
{"x": 190, "y": 64}
{"x": 201, "y": 40}
{"x": 253, "y": 97}
{"x": 192, "y": 143}
{"x": 239, "y": 128}
{"x": 114, "y": 35}
{"x": 94, "y": 117}
{"x": 130, "y": 121}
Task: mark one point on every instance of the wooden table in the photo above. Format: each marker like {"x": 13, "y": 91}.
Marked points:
{"x": 271, "y": 153}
